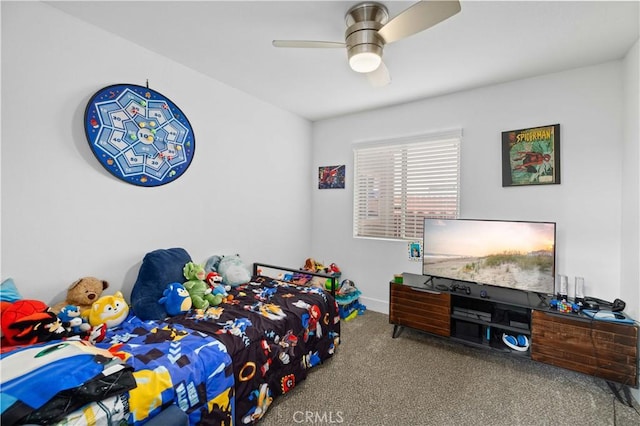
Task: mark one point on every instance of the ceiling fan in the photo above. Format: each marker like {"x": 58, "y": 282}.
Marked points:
{"x": 369, "y": 30}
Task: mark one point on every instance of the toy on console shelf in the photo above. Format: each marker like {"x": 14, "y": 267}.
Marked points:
{"x": 175, "y": 299}
{"x": 109, "y": 310}
{"x": 82, "y": 293}
{"x": 199, "y": 291}
{"x": 564, "y": 306}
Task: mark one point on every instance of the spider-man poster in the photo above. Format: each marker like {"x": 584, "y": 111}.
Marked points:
{"x": 330, "y": 177}
{"x": 531, "y": 156}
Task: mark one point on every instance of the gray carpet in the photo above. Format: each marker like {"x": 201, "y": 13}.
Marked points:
{"x": 417, "y": 379}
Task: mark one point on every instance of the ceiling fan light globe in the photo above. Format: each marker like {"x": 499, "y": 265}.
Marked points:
{"x": 365, "y": 62}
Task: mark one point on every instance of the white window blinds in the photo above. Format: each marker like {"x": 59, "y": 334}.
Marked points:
{"x": 399, "y": 183}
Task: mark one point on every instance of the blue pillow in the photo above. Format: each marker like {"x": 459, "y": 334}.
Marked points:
{"x": 8, "y": 291}
{"x": 159, "y": 268}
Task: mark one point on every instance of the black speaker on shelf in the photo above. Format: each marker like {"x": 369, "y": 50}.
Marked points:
{"x": 618, "y": 305}
{"x": 595, "y": 304}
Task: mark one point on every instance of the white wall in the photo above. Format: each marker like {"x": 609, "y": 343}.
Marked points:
{"x": 630, "y": 278}
{"x": 588, "y": 104}
{"x": 64, "y": 216}
{"x": 630, "y": 241}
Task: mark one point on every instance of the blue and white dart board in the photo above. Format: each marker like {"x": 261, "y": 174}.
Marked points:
{"x": 139, "y": 135}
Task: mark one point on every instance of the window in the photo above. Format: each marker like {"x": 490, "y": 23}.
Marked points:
{"x": 399, "y": 182}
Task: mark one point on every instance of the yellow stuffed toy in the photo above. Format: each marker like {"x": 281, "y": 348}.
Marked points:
{"x": 110, "y": 310}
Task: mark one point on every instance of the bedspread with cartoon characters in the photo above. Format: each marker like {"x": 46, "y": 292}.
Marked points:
{"x": 275, "y": 332}
{"x": 41, "y": 383}
{"x": 222, "y": 366}
{"x": 173, "y": 364}
{"x": 139, "y": 369}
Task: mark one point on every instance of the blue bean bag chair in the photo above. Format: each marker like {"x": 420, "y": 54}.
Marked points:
{"x": 159, "y": 268}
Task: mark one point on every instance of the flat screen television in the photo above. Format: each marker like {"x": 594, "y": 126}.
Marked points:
{"x": 513, "y": 254}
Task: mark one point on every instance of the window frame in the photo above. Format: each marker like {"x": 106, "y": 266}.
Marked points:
{"x": 394, "y": 183}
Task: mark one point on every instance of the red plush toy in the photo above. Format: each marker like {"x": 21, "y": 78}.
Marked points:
{"x": 25, "y": 322}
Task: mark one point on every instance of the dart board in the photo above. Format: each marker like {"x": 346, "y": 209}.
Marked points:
{"x": 139, "y": 135}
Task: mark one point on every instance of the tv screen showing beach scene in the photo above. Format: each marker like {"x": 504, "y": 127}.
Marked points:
{"x": 514, "y": 254}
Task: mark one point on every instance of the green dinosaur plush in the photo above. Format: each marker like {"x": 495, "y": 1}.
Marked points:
{"x": 199, "y": 291}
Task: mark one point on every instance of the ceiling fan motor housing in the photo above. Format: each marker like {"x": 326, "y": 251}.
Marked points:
{"x": 363, "y": 21}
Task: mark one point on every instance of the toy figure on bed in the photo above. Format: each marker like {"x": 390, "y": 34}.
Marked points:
{"x": 72, "y": 320}
{"x": 217, "y": 287}
{"x": 176, "y": 299}
{"x": 231, "y": 268}
{"x": 26, "y": 322}
{"x": 199, "y": 291}
{"x": 110, "y": 310}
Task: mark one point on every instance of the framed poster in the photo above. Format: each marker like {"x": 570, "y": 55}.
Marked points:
{"x": 139, "y": 135}
{"x": 531, "y": 156}
{"x": 331, "y": 177}
{"x": 415, "y": 250}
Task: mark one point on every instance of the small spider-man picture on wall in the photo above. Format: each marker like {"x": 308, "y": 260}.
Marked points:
{"x": 331, "y": 177}
{"x": 531, "y": 156}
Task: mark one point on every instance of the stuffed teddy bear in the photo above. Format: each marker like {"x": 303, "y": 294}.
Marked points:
{"x": 199, "y": 291}
{"x": 175, "y": 299}
{"x": 233, "y": 271}
{"x": 82, "y": 293}
{"x": 110, "y": 310}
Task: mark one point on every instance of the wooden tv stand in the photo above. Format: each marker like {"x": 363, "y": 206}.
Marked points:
{"x": 573, "y": 341}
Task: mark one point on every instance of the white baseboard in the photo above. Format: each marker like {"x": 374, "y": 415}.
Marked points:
{"x": 376, "y": 305}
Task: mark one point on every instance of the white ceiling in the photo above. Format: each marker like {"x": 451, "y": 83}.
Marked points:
{"x": 486, "y": 43}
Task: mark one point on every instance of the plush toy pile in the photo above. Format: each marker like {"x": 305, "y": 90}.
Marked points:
{"x": 313, "y": 265}
{"x": 231, "y": 268}
{"x": 199, "y": 291}
{"x": 84, "y": 314}
{"x": 169, "y": 283}
{"x": 347, "y": 294}
{"x": 82, "y": 293}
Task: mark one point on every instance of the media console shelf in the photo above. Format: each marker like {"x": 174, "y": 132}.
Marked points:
{"x": 478, "y": 316}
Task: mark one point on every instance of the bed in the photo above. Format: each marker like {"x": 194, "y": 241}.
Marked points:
{"x": 221, "y": 366}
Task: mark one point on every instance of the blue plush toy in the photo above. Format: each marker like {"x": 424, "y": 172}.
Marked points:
{"x": 72, "y": 321}
{"x": 175, "y": 299}
{"x": 233, "y": 271}
{"x": 159, "y": 268}
{"x": 211, "y": 265}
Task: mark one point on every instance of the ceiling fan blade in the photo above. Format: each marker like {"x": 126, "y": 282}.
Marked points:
{"x": 380, "y": 77}
{"x": 307, "y": 43}
{"x": 419, "y": 17}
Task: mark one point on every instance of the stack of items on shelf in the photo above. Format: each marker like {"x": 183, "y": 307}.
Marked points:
{"x": 312, "y": 265}
{"x": 348, "y": 299}
{"x": 347, "y": 295}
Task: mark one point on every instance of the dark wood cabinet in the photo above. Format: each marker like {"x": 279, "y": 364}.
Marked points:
{"x": 420, "y": 309}
{"x": 598, "y": 348}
